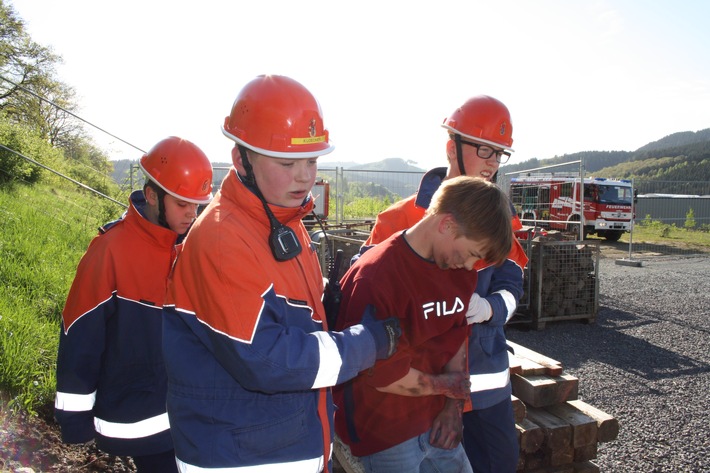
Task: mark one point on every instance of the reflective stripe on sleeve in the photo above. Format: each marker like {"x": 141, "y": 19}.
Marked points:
{"x": 135, "y": 430}
{"x": 312, "y": 465}
{"x": 484, "y": 382}
{"x": 510, "y": 303}
{"x": 70, "y": 402}
{"x": 330, "y": 361}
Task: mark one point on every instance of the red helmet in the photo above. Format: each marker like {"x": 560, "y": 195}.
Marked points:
{"x": 181, "y": 169}
{"x": 483, "y": 119}
{"x": 278, "y": 117}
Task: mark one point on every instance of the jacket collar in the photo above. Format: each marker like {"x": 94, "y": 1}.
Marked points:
{"x": 428, "y": 185}
{"x": 160, "y": 236}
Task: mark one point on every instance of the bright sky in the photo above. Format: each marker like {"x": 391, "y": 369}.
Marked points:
{"x": 576, "y": 75}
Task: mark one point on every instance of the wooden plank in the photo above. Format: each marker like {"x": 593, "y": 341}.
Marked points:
{"x": 559, "y": 457}
{"x": 585, "y": 467}
{"x": 585, "y": 453}
{"x": 531, "y": 436}
{"x": 519, "y": 409}
{"x": 530, "y": 368}
{"x": 534, "y": 461}
{"x": 543, "y": 391}
{"x": 521, "y": 461}
{"x": 553, "y": 367}
{"x": 569, "y": 468}
{"x": 536, "y": 391}
{"x": 607, "y": 425}
{"x": 584, "y": 427}
{"x": 558, "y": 432}
{"x": 514, "y": 364}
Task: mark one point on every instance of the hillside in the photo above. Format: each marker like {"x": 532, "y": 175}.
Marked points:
{"x": 683, "y": 156}
{"x": 682, "y": 138}
{"x": 46, "y": 228}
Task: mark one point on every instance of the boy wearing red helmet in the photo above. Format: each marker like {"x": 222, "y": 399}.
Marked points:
{"x": 249, "y": 357}
{"x": 111, "y": 381}
{"x": 480, "y": 140}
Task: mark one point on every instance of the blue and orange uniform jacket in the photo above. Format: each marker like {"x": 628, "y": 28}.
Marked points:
{"x": 501, "y": 286}
{"x": 111, "y": 381}
{"x": 249, "y": 363}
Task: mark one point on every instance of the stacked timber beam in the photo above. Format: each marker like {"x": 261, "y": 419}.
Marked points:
{"x": 557, "y": 432}
{"x": 564, "y": 283}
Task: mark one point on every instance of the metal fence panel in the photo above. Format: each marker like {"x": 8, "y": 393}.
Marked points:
{"x": 673, "y": 210}
{"x": 564, "y": 281}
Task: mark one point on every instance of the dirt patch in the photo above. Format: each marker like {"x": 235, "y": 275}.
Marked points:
{"x": 33, "y": 444}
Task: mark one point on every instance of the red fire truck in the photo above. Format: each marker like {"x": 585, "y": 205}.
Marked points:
{"x": 553, "y": 201}
{"x": 321, "y": 194}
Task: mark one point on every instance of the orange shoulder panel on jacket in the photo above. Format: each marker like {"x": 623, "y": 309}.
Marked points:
{"x": 398, "y": 216}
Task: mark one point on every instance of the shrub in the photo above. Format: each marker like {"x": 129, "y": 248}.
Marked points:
{"x": 690, "y": 219}
{"x": 13, "y": 167}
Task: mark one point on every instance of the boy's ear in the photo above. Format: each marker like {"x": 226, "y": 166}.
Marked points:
{"x": 237, "y": 160}
{"x": 451, "y": 152}
{"x": 447, "y": 224}
{"x": 150, "y": 196}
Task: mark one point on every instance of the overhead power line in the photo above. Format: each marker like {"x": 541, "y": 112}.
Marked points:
{"x": 71, "y": 113}
{"x": 84, "y": 186}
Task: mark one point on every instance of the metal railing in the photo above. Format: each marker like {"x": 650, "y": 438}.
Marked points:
{"x": 655, "y": 203}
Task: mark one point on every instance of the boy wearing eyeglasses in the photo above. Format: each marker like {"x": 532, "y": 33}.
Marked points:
{"x": 479, "y": 141}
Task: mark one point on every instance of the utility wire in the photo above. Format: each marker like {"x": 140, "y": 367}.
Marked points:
{"x": 62, "y": 175}
{"x": 70, "y": 113}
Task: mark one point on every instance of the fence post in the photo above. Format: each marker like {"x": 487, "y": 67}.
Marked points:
{"x": 629, "y": 261}
{"x": 340, "y": 184}
{"x": 581, "y": 200}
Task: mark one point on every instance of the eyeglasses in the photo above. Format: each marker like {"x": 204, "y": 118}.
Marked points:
{"x": 485, "y": 152}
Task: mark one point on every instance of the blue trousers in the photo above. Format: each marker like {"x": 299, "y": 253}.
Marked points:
{"x": 416, "y": 455}
{"x": 158, "y": 463}
{"x": 490, "y": 439}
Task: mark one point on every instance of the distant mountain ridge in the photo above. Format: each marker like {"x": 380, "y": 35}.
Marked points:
{"x": 682, "y": 156}
{"x": 651, "y": 161}
{"x": 682, "y": 138}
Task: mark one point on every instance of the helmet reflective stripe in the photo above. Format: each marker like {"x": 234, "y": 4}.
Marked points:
{"x": 277, "y": 154}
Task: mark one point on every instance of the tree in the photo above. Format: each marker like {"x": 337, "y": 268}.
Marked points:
{"x": 34, "y": 100}
{"x": 28, "y": 83}
{"x": 23, "y": 63}
{"x": 39, "y": 110}
{"x": 24, "y": 140}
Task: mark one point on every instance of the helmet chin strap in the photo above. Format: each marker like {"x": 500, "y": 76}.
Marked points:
{"x": 459, "y": 154}
{"x": 162, "y": 220}
{"x": 283, "y": 241}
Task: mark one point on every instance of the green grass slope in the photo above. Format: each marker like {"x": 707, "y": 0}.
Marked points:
{"x": 44, "y": 231}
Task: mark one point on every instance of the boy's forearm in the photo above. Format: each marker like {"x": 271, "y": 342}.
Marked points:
{"x": 453, "y": 383}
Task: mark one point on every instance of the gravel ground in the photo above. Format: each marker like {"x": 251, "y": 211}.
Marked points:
{"x": 646, "y": 361}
